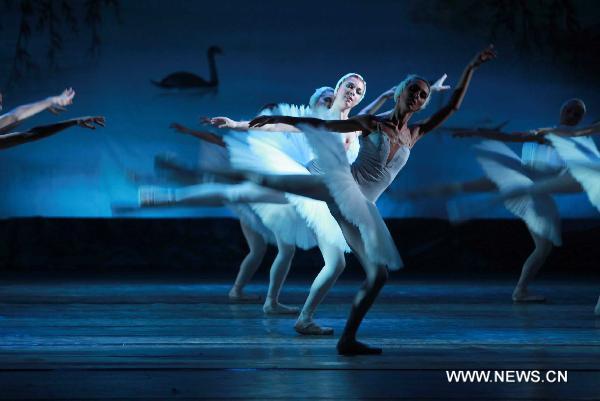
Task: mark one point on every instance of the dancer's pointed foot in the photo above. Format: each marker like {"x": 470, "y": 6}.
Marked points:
{"x": 275, "y": 308}
{"x": 310, "y": 328}
{"x": 523, "y": 296}
{"x": 352, "y": 347}
{"x": 597, "y": 309}
{"x": 155, "y": 196}
{"x": 237, "y": 296}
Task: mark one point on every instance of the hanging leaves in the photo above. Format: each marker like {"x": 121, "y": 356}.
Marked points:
{"x": 52, "y": 20}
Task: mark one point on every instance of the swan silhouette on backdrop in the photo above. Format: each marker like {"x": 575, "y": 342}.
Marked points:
{"x": 187, "y": 80}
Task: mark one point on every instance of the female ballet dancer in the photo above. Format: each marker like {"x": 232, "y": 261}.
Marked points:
{"x": 350, "y": 191}
{"x": 281, "y": 219}
{"x": 256, "y": 233}
{"x": 526, "y": 184}
{"x": 294, "y": 160}
{"x": 54, "y": 104}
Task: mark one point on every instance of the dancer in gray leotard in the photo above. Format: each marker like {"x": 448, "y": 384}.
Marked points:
{"x": 351, "y": 191}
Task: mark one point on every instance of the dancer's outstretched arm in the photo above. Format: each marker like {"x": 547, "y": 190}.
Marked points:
{"x": 54, "y": 104}
{"x": 592, "y": 129}
{"x": 225, "y": 122}
{"x": 44, "y": 131}
{"x": 202, "y": 135}
{"x": 374, "y": 106}
{"x": 459, "y": 93}
{"x": 365, "y": 123}
{"x": 501, "y": 136}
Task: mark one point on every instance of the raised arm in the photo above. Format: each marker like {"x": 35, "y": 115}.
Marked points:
{"x": 500, "y": 136}
{"x": 202, "y": 135}
{"x": 53, "y": 103}
{"x": 438, "y": 86}
{"x": 376, "y": 104}
{"x": 459, "y": 93}
{"x": 44, "y": 131}
{"x": 363, "y": 123}
{"x": 224, "y": 122}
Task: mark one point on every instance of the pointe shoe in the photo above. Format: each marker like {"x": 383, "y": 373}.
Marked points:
{"x": 353, "y": 347}
{"x": 280, "y": 309}
{"x": 525, "y": 297}
{"x": 310, "y": 328}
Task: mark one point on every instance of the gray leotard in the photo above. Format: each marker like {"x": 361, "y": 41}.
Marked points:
{"x": 372, "y": 170}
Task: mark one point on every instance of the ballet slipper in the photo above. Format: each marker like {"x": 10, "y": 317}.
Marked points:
{"x": 350, "y": 347}
{"x": 275, "y": 308}
{"x": 310, "y": 328}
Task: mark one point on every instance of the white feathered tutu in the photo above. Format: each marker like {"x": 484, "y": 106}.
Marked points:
{"x": 583, "y": 161}
{"x": 304, "y": 219}
{"x": 349, "y": 199}
{"x": 506, "y": 170}
{"x": 217, "y": 157}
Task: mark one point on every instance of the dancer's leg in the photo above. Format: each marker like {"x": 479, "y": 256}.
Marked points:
{"x": 376, "y": 277}
{"x": 335, "y": 264}
{"x": 249, "y": 265}
{"x": 531, "y": 266}
{"x": 311, "y": 186}
{"x": 209, "y": 194}
{"x": 279, "y": 271}
{"x": 597, "y": 308}
{"x": 563, "y": 183}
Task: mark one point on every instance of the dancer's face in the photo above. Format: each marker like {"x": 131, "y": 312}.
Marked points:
{"x": 325, "y": 100}
{"x": 349, "y": 94}
{"x": 414, "y": 96}
{"x": 572, "y": 112}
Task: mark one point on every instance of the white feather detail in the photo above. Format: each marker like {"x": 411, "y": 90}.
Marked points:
{"x": 379, "y": 245}
{"x": 583, "y": 160}
{"x": 503, "y": 167}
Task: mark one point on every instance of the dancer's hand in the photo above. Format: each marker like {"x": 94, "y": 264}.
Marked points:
{"x": 88, "y": 122}
{"x": 484, "y": 56}
{"x": 438, "y": 86}
{"x": 56, "y": 110}
{"x": 179, "y": 128}
{"x": 222, "y": 122}
{"x": 64, "y": 99}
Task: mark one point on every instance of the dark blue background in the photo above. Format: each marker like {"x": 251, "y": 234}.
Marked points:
{"x": 273, "y": 51}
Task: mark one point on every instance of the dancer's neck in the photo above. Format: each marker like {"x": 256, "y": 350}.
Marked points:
{"x": 400, "y": 118}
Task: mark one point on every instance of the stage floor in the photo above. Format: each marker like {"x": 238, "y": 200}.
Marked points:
{"x": 160, "y": 339}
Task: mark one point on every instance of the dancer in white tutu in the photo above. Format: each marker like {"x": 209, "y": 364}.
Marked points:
{"x": 283, "y": 220}
{"x": 291, "y": 154}
{"x": 351, "y": 190}
{"x": 214, "y": 155}
{"x": 54, "y": 104}
{"x": 554, "y": 160}
{"x": 287, "y": 226}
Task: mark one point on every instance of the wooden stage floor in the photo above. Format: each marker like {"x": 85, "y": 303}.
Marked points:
{"x": 160, "y": 339}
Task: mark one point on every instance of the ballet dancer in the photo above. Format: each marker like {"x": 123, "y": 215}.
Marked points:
{"x": 351, "y": 190}
{"x": 549, "y": 164}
